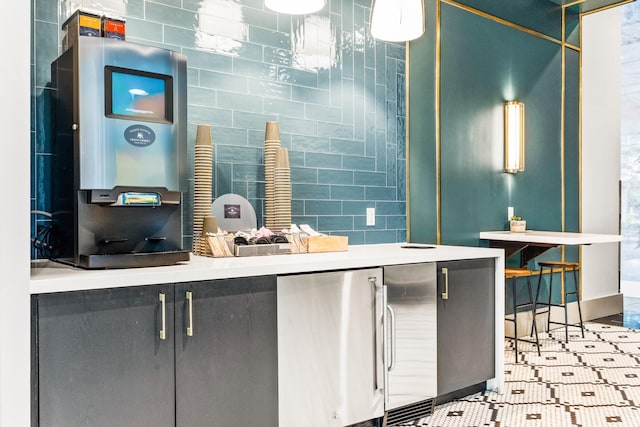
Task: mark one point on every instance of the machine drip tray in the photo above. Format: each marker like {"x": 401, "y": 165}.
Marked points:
{"x": 132, "y": 260}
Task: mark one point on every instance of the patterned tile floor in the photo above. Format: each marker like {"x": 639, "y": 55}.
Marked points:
{"x": 590, "y": 382}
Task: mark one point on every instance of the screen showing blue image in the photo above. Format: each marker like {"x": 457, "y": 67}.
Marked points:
{"x": 138, "y": 95}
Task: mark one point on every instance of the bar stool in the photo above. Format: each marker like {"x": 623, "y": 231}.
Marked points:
{"x": 564, "y": 266}
{"x": 511, "y": 275}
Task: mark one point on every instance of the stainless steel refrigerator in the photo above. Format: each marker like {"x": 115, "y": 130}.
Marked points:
{"x": 411, "y": 326}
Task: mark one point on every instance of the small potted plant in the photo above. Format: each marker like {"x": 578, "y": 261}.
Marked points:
{"x": 517, "y": 224}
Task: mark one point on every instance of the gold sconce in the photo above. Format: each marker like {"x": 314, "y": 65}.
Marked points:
{"x": 295, "y": 7}
{"x": 513, "y": 137}
{"x": 397, "y": 20}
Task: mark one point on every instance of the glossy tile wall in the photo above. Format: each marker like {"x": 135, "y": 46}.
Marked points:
{"x": 338, "y": 95}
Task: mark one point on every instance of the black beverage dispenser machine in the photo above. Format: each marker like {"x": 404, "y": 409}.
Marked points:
{"x": 120, "y": 155}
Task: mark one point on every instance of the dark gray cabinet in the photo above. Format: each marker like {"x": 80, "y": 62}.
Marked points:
{"x": 466, "y": 324}
{"x": 227, "y": 353}
{"x": 102, "y": 362}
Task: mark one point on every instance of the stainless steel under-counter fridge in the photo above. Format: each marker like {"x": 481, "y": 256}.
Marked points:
{"x": 330, "y": 348}
{"x": 357, "y": 345}
{"x": 410, "y": 331}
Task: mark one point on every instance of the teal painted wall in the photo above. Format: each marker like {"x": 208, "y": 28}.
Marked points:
{"x": 483, "y": 64}
{"x": 422, "y": 164}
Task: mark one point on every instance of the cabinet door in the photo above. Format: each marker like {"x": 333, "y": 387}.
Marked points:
{"x": 101, "y": 360}
{"x": 330, "y": 360}
{"x": 466, "y": 324}
{"x": 227, "y": 364}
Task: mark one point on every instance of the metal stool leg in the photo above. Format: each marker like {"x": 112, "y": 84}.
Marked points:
{"x": 550, "y": 294}
{"x": 575, "y": 281}
{"x": 566, "y": 308}
{"x": 515, "y": 316}
{"x": 533, "y": 311}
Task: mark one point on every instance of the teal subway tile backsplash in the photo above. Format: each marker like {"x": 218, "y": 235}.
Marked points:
{"x": 347, "y": 192}
{"x": 381, "y": 236}
{"x": 304, "y": 175}
{"x": 323, "y": 207}
{"x": 45, "y": 10}
{"x": 359, "y": 163}
{"x": 338, "y": 95}
{"x": 381, "y": 193}
{"x": 224, "y": 81}
{"x": 319, "y": 160}
{"x": 370, "y": 178}
{"x": 310, "y": 191}
{"x": 346, "y": 146}
{"x": 335, "y": 222}
{"x": 269, "y": 90}
{"x": 332, "y": 176}
{"x": 170, "y": 15}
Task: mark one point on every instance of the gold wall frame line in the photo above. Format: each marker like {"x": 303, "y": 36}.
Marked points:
{"x": 580, "y": 157}
{"x": 573, "y": 3}
{"x": 563, "y": 190}
{"x": 407, "y": 141}
{"x": 437, "y": 125}
{"x": 620, "y": 3}
{"x": 573, "y": 47}
{"x": 504, "y": 21}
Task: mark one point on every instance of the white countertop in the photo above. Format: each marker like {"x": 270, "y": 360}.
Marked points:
{"x": 551, "y": 237}
{"x": 48, "y": 276}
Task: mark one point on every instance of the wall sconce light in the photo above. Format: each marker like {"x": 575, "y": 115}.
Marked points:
{"x": 295, "y": 7}
{"x": 397, "y": 20}
{"x": 513, "y": 137}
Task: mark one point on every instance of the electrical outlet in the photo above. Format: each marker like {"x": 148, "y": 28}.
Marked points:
{"x": 371, "y": 216}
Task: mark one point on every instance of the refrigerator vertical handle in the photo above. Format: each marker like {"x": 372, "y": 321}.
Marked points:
{"x": 385, "y": 344}
{"x": 378, "y": 291}
{"x": 392, "y": 338}
{"x": 445, "y": 274}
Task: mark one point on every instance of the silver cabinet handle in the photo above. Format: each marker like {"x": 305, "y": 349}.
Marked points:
{"x": 445, "y": 273}
{"x": 189, "y": 296}
{"x": 392, "y": 337}
{"x": 163, "y": 308}
{"x": 385, "y": 341}
{"x": 376, "y": 291}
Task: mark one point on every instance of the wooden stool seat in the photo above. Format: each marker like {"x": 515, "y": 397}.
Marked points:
{"x": 511, "y": 275}
{"x": 559, "y": 264}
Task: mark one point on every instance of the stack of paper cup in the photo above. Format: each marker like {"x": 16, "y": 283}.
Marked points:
{"x": 271, "y": 147}
{"x": 209, "y": 225}
{"x": 202, "y": 194}
{"x": 282, "y": 180}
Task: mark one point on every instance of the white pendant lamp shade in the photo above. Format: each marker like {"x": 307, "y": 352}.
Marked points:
{"x": 397, "y": 20}
{"x": 295, "y": 7}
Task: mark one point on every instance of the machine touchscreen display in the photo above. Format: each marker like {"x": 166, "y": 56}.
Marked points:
{"x": 138, "y": 95}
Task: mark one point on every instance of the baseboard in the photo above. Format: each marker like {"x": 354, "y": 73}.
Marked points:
{"x": 591, "y": 309}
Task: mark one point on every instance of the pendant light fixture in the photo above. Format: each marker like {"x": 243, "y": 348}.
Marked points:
{"x": 397, "y": 20}
{"x": 295, "y": 7}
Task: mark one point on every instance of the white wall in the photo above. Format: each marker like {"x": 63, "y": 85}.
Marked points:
{"x": 601, "y": 65}
{"x": 14, "y": 221}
